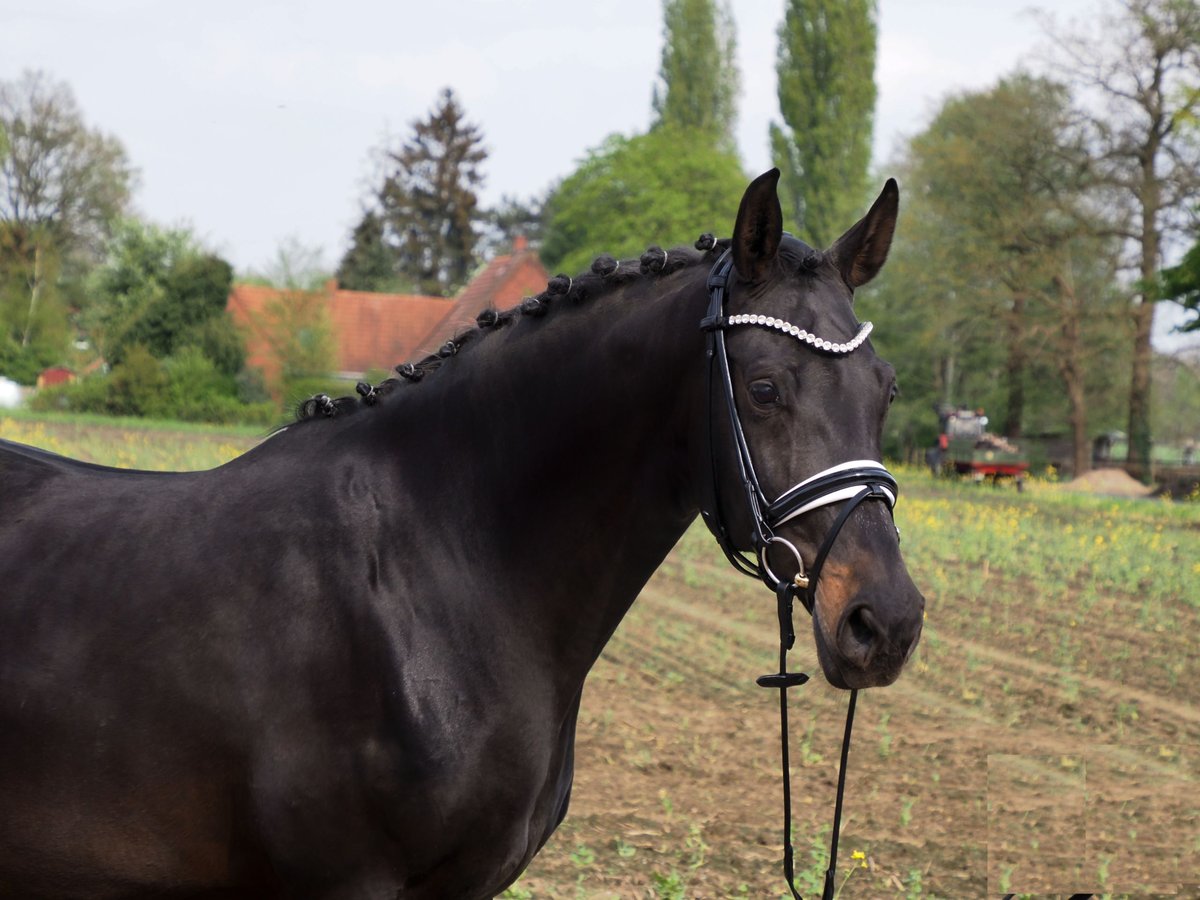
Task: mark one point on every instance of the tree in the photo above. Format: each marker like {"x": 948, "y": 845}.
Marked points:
{"x": 427, "y": 205}
{"x": 158, "y": 289}
{"x": 297, "y": 324}
{"x": 698, "y": 76}
{"x": 62, "y": 186}
{"x": 1002, "y": 165}
{"x": 657, "y": 188}
{"x": 508, "y": 220}
{"x": 370, "y": 263}
{"x": 298, "y": 327}
{"x": 296, "y": 267}
{"x": 1181, "y": 283}
{"x": 35, "y": 309}
{"x": 1139, "y": 73}
{"x": 1007, "y": 273}
{"x": 826, "y": 72}
{"x": 1177, "y": 407}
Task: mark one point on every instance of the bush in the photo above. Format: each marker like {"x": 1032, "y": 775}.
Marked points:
{"x": 138, "y": 386}
{"x": 252, "y": 386}
{"x": 191, "y": 375}
{"x": 218, "y": 339}
{"x": 222, "y": 410}
{"x": 85, "y": 395}
{"x": 186, "y": 386}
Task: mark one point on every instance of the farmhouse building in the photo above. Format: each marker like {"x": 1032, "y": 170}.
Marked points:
{"x": 377, "y": 331}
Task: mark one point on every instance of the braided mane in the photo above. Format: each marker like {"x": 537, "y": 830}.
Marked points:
{"x": 606, "y": 273}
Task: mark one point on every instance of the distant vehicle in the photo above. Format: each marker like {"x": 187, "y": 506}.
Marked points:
{"x": 966, "y": 447}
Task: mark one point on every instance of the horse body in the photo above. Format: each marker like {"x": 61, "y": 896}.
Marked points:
{"x": 349, "y": 663}
{"x": 316, "y": 635}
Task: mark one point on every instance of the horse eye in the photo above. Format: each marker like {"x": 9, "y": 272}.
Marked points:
{"x": 893, "y": 394}
{"x": 764, "y": 393}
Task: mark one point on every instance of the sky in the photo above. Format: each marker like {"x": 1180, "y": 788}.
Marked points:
{"x": 254, "y": 123}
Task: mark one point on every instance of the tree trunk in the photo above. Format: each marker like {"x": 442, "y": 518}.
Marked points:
{"x": 946, "y": 375}
{"x": 1014, "y": 368}
{"x": 1140, "y": 440}
{"x": 1071, "y": 368}
{"x": 35, "y": 290}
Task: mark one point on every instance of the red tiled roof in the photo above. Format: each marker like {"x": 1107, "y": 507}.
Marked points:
{"x": 502, "y": 284}
{"x": 246, "y": 305}
{"x": 377, "y": 331}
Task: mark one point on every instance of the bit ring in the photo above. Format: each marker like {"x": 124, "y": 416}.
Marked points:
{"x": 800, "y": 581}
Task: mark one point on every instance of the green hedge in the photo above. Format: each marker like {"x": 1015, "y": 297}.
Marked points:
{"x": 186, "y": 387}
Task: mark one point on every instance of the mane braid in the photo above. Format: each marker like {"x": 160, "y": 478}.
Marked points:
{"x": 605, "y": 275}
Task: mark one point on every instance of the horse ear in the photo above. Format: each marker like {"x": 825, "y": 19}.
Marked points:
{"x": 759, "y": 227}
{"x": 861, "y": 252}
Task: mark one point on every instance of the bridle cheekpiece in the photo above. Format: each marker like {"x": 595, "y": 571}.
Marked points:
{"x": 850, "y": 483}
{"x": 854, "y": 480}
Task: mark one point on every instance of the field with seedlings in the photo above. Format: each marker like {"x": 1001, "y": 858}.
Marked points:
{"x": 131, "y": 443}
{"x": 1044, "y": 739}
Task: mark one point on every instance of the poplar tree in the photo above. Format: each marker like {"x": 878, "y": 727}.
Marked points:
{"x": 698, "y": 76}
{"x": 826, "y": 71}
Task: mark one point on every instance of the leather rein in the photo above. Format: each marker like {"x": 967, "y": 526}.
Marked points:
{"x": 854, "y": 482}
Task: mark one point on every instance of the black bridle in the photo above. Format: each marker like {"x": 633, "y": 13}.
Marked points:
{"x": 852, "y": 483}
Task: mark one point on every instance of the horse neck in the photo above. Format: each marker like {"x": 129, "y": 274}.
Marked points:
{"x": 557, "y": 458}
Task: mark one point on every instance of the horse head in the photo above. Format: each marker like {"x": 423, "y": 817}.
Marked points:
{"x": 808, "y": 397}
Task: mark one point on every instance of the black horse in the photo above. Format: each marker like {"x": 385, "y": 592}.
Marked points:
{"x": 349, "y": 663}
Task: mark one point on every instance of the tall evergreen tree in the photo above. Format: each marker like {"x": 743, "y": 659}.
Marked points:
{"x": 698, "y": 75}
{"x": 826, "y": 71}
{"x": 370, "y": 263}
{"x": 428, "y": 207}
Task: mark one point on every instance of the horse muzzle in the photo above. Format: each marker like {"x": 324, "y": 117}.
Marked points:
{"x": 864, "y": 634}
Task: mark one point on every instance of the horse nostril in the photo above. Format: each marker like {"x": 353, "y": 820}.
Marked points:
{"x": 859, "y": 636}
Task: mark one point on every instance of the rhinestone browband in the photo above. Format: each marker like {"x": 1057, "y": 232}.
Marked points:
{"x": 801, "y": 335}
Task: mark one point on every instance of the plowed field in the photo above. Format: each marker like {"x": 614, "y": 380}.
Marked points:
{"x": 1045, "y": 739}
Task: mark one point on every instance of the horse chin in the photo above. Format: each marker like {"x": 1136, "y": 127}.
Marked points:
{"x": 846, "y": 676}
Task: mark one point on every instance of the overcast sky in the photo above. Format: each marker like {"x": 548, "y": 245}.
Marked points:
{"x": 254, "y": 122}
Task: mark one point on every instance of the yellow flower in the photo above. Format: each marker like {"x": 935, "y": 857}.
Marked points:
{"x": 861, "y": 857}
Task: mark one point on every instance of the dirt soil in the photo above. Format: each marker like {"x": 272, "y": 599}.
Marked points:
{"x": 988, "y": 768}
{"x": 1110, "y": 483}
